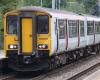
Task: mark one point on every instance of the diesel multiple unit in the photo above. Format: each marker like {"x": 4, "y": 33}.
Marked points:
{"x": 37, "y": 38}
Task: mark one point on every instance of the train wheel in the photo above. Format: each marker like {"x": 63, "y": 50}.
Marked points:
{"x": 74, "y": 56}
{"x": 70, "y": 55}
{"x": 96, "y": 49}
{"x": 63, "y": 59}
{"x": 57, "y": 61}
{"x": 67, "y": 58}
{"x": 81, "y": 53}
{"x": 77, "y": 55}
{"x": 51, "y": 63}
{"x": 88, "y": 51}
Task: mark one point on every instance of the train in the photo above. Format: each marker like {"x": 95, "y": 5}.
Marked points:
{"x": 37, "y": 38}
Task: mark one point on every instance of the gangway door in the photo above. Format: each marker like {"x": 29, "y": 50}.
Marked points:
{"x": 26, "y": 35}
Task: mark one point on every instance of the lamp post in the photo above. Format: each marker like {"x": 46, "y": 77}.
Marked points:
{"x": 59, "y": 4}
{"x": 99, "y": 6}
{"x": 53, "y": 4}
{"x": 56, "y": 4}
{"x": 41, "y": 3}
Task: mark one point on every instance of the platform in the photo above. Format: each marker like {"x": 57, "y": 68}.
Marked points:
{"x": 1, "y": 54}
{"x": 3, "y": 64}
{"x": 94, "y": 76}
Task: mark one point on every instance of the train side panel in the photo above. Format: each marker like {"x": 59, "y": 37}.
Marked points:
{"x": 61, "y": 34}
{"x": 72, "y": 36}
{"x": 53, "y": 35}
{"x": 83, "y": 36}
{"x": 72, "y": 43}
{"x": 90, "y": 39}
{"x": 97, "y": 38}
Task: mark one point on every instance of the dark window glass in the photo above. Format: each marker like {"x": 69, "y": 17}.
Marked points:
{"x": 73, "y": 28}
{"x": 90, "y": 28}
{"x": 62, "y": 25}
{"x": 97, "y": 27}
{"x": 81, "y": 28}
{"x": 12, "y": 24}
{"x": 43, "y": 24}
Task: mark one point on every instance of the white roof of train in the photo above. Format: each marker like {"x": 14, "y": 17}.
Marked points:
{"x": 54, "y": 13}
{"x": 60, "y": 13}
{"x": 91, "y": 18}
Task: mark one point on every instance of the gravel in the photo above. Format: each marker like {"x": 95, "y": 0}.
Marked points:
{"x": 68, "y": 71}
{"x": 84, "y": 76}
{"x": 73, "y": 69}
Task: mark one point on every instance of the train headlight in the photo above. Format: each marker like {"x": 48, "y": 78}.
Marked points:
{"x": 42, "y": 46}
{"x": 12, "y": 46}
{"x": 39, "y": 46}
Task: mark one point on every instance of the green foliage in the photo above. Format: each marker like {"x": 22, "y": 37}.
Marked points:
{"x": 78, "y": 6}
{"x": 88, "y": 4}
{"x": 74, "y": 7}
{"x": 47, "y": 3}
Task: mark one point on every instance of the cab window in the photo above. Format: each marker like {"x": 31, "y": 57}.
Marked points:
{"x": 11, "y": 24}
{"x": 43, "y": 24}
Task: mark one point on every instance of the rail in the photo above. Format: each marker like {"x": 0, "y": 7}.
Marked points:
{"x": 67, "y": 72}
{"x": 72, "y": 71}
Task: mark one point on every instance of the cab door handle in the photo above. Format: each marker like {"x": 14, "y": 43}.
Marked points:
{"x": 5, "y": 35}
{"x": 15, "y": 39}
{"x": 30, "y": 35}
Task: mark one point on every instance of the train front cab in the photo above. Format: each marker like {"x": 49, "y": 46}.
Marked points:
{"x": 27, "y": 40}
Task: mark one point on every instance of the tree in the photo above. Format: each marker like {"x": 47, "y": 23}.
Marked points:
{"x": 88, "y": 5}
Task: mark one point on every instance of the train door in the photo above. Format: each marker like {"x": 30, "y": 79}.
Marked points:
{"x": 57, "y": 33}
{"x": 73, "y": 34}
{"x": 27, "y": 33}
{"x": 61, "y": 37}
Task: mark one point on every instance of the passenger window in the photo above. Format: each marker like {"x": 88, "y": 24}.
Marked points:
{"x": 73, "y": 28}
{"x": 97, "y": 27}
{"x": 62, "y": 25}
{"x": 81, "y": 28}
{"x": 90, "y": 27}
{"x": 43, "y": 24}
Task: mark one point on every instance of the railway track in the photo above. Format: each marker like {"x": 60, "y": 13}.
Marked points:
{"x": 7, "y": 77}
{"x": 68, "y": 72}
{"x": 71, "y": 71}
{"x": 84, "y": 72}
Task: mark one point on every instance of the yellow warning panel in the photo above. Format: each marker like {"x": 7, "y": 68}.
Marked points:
{"x": 26, "y": 35}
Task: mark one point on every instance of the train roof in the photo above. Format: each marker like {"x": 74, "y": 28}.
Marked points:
{"x": 59, "y": 13}
{"x": 53, "y": 12}
{"x": 91, "y": 17}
